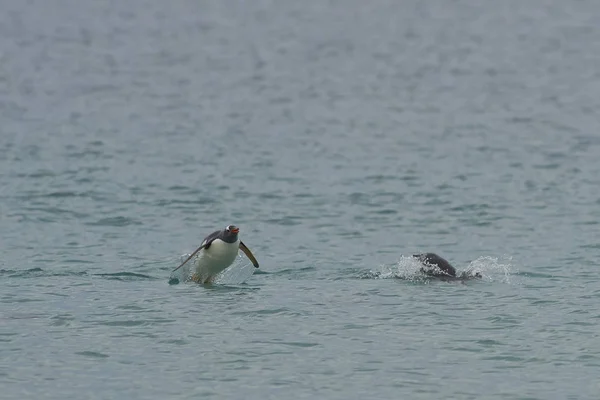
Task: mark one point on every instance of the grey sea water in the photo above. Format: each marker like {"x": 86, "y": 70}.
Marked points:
{"x": 342, "y": 137}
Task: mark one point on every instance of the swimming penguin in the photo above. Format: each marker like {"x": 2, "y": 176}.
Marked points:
{"x": 436, "y": 266}
{"x": 217, "y": 252}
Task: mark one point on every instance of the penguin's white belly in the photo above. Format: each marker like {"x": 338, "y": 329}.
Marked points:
{"x": 214, "y": 260}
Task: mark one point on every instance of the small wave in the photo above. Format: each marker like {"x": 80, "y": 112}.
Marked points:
{"x": 124, "y": 275}
{"x": 92, "y": 354}
{"x": 261, "y": 272}
{"x": 288, "y": 271}
{"x": 61, "y": 194}
{"x": 20, "y": 273}
{"x": 115, "y": 221}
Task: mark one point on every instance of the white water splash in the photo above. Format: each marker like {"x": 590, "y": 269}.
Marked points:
{"x": 409, "y": 268}
{"x": 239, "y": 272}
{"x": 492, "y": 268}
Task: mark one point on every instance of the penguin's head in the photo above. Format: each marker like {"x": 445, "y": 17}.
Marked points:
{"x": 230, "y": 233}
{"x": 232, "y": 229}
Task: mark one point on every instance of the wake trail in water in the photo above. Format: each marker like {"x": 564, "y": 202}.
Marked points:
{"x": 42, "y": 273}
{"x": 125, "y": 276}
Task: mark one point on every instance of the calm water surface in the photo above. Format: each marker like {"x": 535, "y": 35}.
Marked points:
{"x": 341, "y": 136}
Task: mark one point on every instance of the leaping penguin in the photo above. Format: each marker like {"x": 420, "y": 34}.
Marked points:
{"x": 217, "y": 252}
